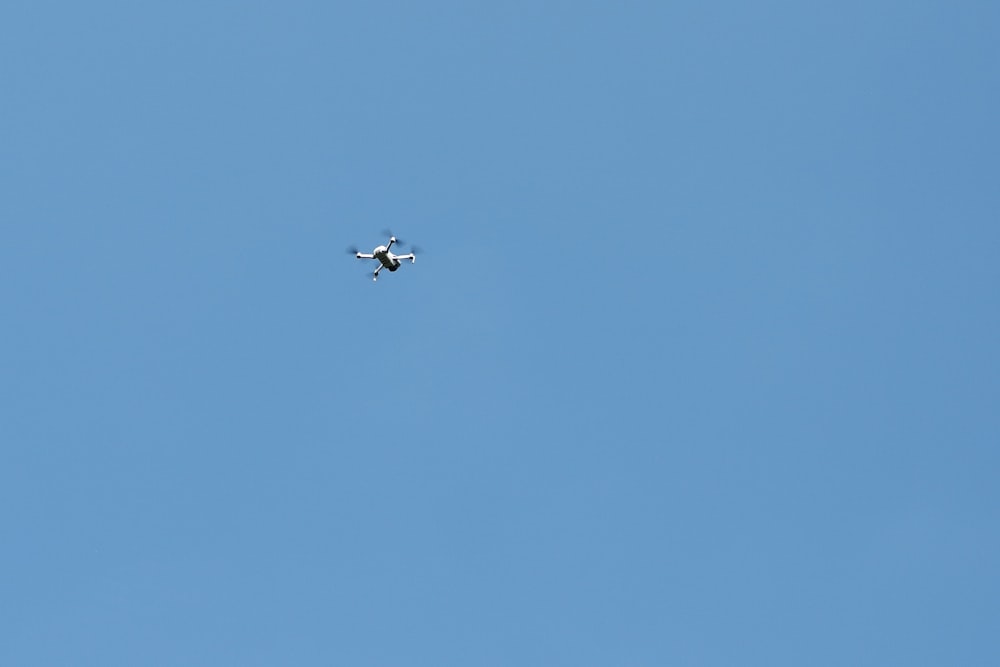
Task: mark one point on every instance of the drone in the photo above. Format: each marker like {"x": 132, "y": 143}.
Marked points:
{"x": 387, "y": 259}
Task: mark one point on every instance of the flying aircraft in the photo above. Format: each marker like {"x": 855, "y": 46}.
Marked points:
{"x": 387, "y": 259}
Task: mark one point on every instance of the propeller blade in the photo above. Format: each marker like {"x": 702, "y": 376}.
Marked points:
{"x": 388, "y": 233}
{"x": 352, "y": 250}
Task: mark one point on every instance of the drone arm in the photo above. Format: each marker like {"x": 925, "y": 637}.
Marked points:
{"x": 365, "y": 255}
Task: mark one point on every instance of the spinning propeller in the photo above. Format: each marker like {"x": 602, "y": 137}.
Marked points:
{"x": 389, "y": 235}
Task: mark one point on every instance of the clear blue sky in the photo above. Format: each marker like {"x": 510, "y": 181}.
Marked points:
{"x": 700, "y": 365}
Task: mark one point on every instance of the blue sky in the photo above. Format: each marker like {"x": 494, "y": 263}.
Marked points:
{"x": 699, "y": 365}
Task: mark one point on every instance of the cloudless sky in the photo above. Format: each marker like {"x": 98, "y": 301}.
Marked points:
{"x": 699, "y": 365}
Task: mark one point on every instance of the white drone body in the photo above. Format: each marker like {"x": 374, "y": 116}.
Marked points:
{"x": 387, "y": 259}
